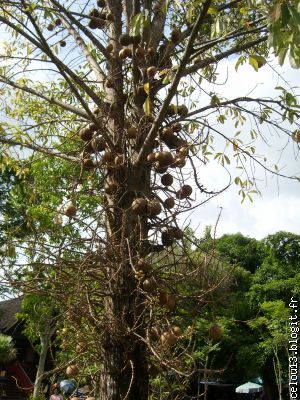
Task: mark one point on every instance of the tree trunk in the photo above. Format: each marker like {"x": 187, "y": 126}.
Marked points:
{"x": 124, "y": 370}
{"x": 45, "y": 343}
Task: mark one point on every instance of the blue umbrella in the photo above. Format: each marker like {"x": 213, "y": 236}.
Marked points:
{"x": 67, "y": 386}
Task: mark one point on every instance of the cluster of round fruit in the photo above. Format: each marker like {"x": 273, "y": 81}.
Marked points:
{"x": 167, "y": 338}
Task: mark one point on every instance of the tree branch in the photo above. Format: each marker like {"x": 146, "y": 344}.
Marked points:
{"x": 172, "y": 91}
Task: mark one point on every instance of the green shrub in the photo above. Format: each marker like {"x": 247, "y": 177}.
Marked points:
{"x": 8, "y": 351}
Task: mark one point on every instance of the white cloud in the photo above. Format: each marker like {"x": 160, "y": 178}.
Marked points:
{"x": 278, "y": 208}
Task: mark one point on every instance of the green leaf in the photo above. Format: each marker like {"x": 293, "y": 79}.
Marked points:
{"x": 147, "y": 107}
{"x": 136, "y": 24}
{"x": 253, "y": 62}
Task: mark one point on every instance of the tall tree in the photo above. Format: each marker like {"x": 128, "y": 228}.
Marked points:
{"x": 108, "y": 91}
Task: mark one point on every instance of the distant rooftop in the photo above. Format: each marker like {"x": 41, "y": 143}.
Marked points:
{"x": 8, "y": 311}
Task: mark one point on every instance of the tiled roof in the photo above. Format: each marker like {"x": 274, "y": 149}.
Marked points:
{"x": 8, "y": 310}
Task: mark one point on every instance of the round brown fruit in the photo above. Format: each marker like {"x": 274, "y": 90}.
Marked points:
{"x": 62, "y": 43}
{"x": 182, "y": 110}
{"x": 186, "y": 190}
{"x": 143, "y": 265}
{"x": 171, "y": 110}
{"x": 101, "y": 3}
{"x": 215, "y": 332}
{"x": 167, "y": 133}
{"x": 151, "y": 158}
{"x": 164, "y": 158}
{"x": 150, "y": 52}
{"x": 70, "y": 210}
{"x": 183, "y": 151}
{"x": 179, "y": 162}
{"x": 110, "y": 17}
{"x": 86, "y": 134}
{"x": 167, "y": 238}
{"x": 72, "y": 370}
{"x": 110, "y": 47}
{"x": 94, "y": 13}
{"x": 51, "y": 27}
{"x": 124, "y": 53}
{"x": 108, "y": 157}
{"x": 81, "y": 347}
{"x": 57, "y": 22}
{"x": 175, "y": 36}
{"x": 140, "y": 206}
{"x": 168, "y": 339}
{"x": 125, "y": 39}
{"x": 149, "y": 285}
{"x": 177, "y": 127}
{"x": 177, "y": 233}
{"x": 132, "y": 132}
{"x": 167, "y": 180}
{"x": 169, "y": 203}
{"x": 87, "y": 164}
{"x": 176, "y": 330}
{"x": 151, "y": 71}
{"x": 140, "y": 52}
{"x": 154, "y": 208}
{"x": 136, "y": 39}
{"x": 98, "y": 144}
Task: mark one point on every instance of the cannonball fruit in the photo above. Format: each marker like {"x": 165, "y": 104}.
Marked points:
{"x": 167, "y": 133}
{"x": 168, "y": 338}
{"x": 175, "y": 36}
{"x": 166, "y": 180}
{"x": 167, "y": 300}
{"x": 87, "y": 164}
{"x": 101, "y": 3}
{"x": 151, "y": 158}
{"x": 177, "y": 127}
{"x": 110, "y": 47}
{"x": 70, "y": 210}
{"x": 86, "y": 134}
{"x": 50, "y": 27}
{"x": 176, "y": 330}
{"x": 169, "y": 203}
{"x": 143, "y": 265}
{"x": 132, "y": 132}
{"x": 140, "y": 52}
{"x": 108, "y": 157}
{"x": 72, "y": 370}
{"x": 140, "y": 206}
{"x": 81, "y": 347}
{"x": 125, "y": 39}
{"x": 154, "y": 208}
{"x": 149, "y": 285}
{"x": 182, "y": 110}
{"x": 167, "y": 238}
{"x": 186, "y": 190}
{"x": 62, "y": 43}
{"x": 164, "y": 158}
{"x": 215, "y": 332}
{"x": 98, "y": 144}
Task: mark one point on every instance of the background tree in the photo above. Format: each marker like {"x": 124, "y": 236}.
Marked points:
{"x": 108, "y": 91}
